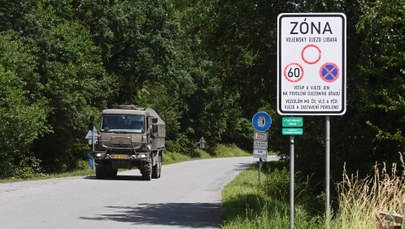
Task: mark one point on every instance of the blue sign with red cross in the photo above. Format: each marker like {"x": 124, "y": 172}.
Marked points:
{"x": 329, "y": 72}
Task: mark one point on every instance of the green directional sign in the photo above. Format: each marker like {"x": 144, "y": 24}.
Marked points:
{"x": 293, "y": 122}
{"x": 292, "y": 131}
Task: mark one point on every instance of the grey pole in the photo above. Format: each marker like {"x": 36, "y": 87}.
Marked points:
{"x": 260, "y": 168}
{"x": 327, "y": 172}
{"x": 91, "y": 128}
{"x": 292, "y": 157}
{"x": 92, "y": 139}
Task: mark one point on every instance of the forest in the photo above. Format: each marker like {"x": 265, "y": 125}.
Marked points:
{"x": 207, "y": 66}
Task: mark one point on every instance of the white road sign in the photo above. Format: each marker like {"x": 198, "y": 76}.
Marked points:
{"x": 260, "y": 145}
{"x": 261, "y": 136}
{"x": 92, "y": 136}
{"x": 260, "y": 153}
{"x": 311, "y": 64}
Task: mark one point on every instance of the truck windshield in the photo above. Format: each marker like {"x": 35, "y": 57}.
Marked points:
{"x": 123, "y": 123}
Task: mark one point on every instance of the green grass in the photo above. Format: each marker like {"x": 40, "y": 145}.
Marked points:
{"x": 168, "y": 158}
{"x": 230, "y": 150}
{"x": 42, "y": 176}
{"x": 250, "y": 204}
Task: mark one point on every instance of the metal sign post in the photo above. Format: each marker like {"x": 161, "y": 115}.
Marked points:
{"x": 261, "y": 121}
{"x": 292, "y": 173}
{"x": 327, "y": 172}
{"x": 91, "y": 128}
{"x": 287, "y": 123}
{"x": 92, "y": 140}
{"x": 92, "y": 136}
{"x": 260, "y": 169}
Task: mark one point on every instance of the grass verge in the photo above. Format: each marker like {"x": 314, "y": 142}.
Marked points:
{"x": 251, "y": 205}
{"x": 226, "y": 150}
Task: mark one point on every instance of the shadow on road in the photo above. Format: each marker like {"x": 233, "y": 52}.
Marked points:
{"x": 118, "y": 177}
{"x": 193, "y": 215}
{"x": 243, "y": 166}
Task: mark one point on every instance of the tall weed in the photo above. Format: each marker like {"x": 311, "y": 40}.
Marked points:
{"x": 359, "y": 199}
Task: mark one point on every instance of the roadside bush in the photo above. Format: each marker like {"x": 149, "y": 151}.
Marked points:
{"x": 28, "y": 167}
{"x": 277, "y": 184}
{"x": 182, "y": 145}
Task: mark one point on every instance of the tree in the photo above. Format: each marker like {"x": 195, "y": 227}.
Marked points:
{"x": 23, "y": 115}
{"x": 75, "y": 84}
{"x": 382, "y": 70}
{"x": 142, "y": 51}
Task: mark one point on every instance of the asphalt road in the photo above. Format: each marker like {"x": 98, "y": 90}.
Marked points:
{"x": 186, "y": 196}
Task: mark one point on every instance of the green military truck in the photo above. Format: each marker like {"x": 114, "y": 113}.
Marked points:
{"x": 130, "y": 137}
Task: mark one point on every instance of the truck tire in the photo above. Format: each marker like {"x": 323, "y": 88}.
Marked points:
{"x": 105, "y": 171}
{"x": 147, "y": 171}
{"x": 157, "y": 169}
{"x": 108, "y": 170}
{"x": 100, "y": 172}
{"x": 113, "y": 173}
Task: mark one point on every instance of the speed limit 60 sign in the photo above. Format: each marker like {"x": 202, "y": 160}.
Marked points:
{"x": 311, "y": 64}
{"x": 293, "y": 72}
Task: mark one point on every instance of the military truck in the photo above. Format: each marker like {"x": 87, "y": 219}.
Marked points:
{"x": 130, "y": 137}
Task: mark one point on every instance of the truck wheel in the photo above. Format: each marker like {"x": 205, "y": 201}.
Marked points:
{"x": 147, "y": 171}
{"x": 100, "y": 172}
{"x": 113, "y": 173}
{"x": 157, "y": 169}
{"x": 108, "y": 170}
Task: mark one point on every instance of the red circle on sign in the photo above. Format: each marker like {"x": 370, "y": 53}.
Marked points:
{"x": 308, "y": 50}
{"x": 293, "y": 72}
{"x": 329, "y": 72}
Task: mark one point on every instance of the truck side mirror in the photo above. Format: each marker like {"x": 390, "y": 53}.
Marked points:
{"x": 154, "y": 128}
{"x": 154, "y": 120}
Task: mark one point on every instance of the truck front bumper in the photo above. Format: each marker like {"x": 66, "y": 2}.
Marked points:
{"x": 138, "y": 156}
{"x": 127, "y": 161}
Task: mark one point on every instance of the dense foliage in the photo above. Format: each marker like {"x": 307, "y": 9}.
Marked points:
{"x": 206, "y": 65}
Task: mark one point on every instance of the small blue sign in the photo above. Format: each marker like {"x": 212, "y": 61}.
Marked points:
{"x": 261, "y": 121}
